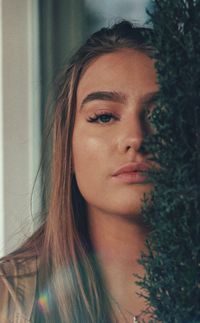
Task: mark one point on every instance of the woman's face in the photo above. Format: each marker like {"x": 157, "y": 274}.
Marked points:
{"x": 110, "y": 128}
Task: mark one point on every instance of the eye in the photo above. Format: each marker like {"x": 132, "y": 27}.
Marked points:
{"x": 147, "y": 118}
{"x": 148, "y": 113}
{"x": 102, "y": 118}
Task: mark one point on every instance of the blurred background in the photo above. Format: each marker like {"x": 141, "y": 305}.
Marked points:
{"x": 36, "y": 39}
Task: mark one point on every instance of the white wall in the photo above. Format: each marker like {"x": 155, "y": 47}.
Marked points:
{"x": 109, "y": 11}
{"x": 19, "y": 118}
{"x": 1, "y": 141}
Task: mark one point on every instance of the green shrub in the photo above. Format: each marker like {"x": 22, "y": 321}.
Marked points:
{"x": 172, "y": 263}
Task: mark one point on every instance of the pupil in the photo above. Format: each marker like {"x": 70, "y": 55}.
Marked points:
{"x": 105, "y": 118}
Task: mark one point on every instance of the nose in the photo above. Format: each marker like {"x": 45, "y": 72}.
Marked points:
{"x": 132, "y": 136}
{"x": 133, "y": 143}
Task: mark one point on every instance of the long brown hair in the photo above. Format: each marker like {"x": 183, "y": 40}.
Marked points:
{"x": 69, "y": 275}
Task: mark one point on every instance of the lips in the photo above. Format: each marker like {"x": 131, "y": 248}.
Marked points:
{"x": 132, "y": 173}
{"x": 131, "y": 168}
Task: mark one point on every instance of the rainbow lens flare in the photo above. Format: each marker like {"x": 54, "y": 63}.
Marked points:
{"x": 43, "y": 303}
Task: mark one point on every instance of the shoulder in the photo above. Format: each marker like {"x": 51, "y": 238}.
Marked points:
{"x": 18, "y": 279}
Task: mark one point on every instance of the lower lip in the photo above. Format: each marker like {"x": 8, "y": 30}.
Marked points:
{"x": 132, "y": 177}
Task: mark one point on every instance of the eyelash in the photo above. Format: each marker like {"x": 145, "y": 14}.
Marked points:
{"x": 97, "y": 116}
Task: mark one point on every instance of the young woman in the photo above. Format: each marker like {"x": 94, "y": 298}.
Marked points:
{"x": 79, "y": 265}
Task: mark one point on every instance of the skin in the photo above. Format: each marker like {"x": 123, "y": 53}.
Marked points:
{"x": 99, "y": 149}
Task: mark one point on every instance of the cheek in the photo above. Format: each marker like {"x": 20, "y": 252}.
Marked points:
{"x": 88, "y": 161}
{"x": 89, "y": 153}
{"x": 86, "y": 152}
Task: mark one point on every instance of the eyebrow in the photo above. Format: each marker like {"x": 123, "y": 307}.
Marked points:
{"x": 117, "y": 97}
{"x": 150, "y": 97}
{"x": 104, "y": 96}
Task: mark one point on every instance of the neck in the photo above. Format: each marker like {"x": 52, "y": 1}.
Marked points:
{"x": 118, "y": 243}
{"x": 116, "y": 239}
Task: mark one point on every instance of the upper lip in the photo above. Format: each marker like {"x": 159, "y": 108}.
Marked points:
{"x": 131, "y": 167}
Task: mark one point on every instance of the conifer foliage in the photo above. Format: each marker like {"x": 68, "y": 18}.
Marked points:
{"x": 172, "y": 263}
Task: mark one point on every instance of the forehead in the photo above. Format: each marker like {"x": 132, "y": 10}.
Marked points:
{"x": 128, "y": 70}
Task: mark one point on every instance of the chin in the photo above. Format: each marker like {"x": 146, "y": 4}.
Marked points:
{"x": 130, "y": 211}
{"x": 127, "y": 206}
{"x": 132, "y": 216}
